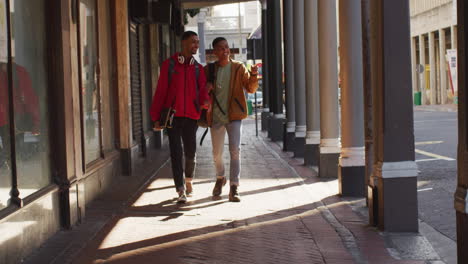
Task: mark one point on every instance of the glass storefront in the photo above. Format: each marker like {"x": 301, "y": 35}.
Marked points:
{"x": 31, "y": 103}
{"x": 28, "y": 83}
{"x": 107, "y": 77}
{"x": 89, "y": 81}
{"x": 5, "y": 150}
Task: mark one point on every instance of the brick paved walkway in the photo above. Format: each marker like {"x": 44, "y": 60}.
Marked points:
{"x": 287, "y": 215}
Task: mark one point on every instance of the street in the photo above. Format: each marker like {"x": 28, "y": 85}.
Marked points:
{"x": 436, "y": 152}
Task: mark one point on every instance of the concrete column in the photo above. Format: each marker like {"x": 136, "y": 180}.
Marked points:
{"x": 351, "y": 173}
{"x": 276, "y": 125}
{"x": 330, "y": 145}
{"x": 312, "y": 147}
{"x": 299, "y": 78}
{"x": 368, "y": 123}
{"x": 265, "y": 70}
{"x": 422, "y": 76}
{"x": 393, "y": 204}
{"x": 461, "y": 199}
{"x": 122, "y": 62}
{"x": 443, "y": 67}
{"x": 433, "y": 72}
{"x": 288, "y": 144}
{"x": 201, "y": 35}
{"x": 454, "y": 37}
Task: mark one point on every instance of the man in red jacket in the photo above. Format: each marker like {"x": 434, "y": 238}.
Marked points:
{"x": 181, "y": 85}
{"x": 26, "y": 109}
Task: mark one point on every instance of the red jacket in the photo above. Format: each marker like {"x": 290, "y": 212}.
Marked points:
{"x": 181, "y": 91}
{"x": 25, "y": 99}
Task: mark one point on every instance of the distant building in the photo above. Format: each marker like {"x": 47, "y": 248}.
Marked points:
{"x": 433, "y": 32}
{"x": 223, "y": 20}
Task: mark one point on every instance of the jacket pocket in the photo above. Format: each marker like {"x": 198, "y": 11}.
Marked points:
{"x": 240, "y": 105}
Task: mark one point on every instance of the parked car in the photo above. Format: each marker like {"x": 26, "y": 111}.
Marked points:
{"x": 259, "y": 99}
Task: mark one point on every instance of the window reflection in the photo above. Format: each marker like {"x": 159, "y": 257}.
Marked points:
{"x": 106, "y": 78}
{"x": 5, "y": 171}
{"x": 29, "y": 80}
{"x": 90, "y": 93}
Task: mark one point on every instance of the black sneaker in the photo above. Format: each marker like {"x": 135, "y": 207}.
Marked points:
{"x": 218, "y": 189}
{"x": 234, "y": 194}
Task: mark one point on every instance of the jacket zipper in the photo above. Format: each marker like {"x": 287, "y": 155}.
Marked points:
{"x": 185, "y": 88}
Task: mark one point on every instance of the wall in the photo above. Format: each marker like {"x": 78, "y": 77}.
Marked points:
{"x": 431, "y": 15}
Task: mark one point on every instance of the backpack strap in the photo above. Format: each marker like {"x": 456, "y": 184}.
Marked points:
{"x": 170, "y": 72}
{"x": 212, "y": 79}
{"x": 211, "y": 73}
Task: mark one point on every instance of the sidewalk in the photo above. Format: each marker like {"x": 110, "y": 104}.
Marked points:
{"x": 437, "y": 108}
{"x": 287, "y": 215}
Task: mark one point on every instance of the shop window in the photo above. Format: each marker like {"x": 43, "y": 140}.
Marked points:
{"x": 107, "y": 77}
{"x": 24, "y": 152}
{"x": 5, "y": 149}
{"x": 90, "y": 92}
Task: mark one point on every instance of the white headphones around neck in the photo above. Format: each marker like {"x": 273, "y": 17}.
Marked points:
{"x": 181, "y": 59}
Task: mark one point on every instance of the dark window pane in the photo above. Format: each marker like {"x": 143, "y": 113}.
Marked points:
{"x": 29, "y": 77}
{"x": 5, "y": 171}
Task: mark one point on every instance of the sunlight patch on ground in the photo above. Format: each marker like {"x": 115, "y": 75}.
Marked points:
{"x": 157, "y": 210}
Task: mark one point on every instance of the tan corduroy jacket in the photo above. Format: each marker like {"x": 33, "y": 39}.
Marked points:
{"x": 241, "y": 80}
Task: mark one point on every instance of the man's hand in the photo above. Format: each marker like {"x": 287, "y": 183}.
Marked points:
{"x": 206, "y": 104}
{"x": 36, "y": 131}
{"x": 209, "y": 87}
{"x": 157, "y": 126}
{"x": 254, "y": 70}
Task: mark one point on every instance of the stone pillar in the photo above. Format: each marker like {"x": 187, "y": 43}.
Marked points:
{"x": 299, "y": 78}
{"x": 265, "y": 70}
{"x": 454, "y": 37}
{"x": 393, "y": 204}
{"x": 288, "y": 144}
{"x": 461, "y": 199}
{"x": 312, "y": 147}
{"x": 368, "y": 123}
{"x": 330, "y": 145}
{"x": 443, "y": 67}
{"x": 351, "y": 173}
{"x": 122, "y": 62}
{"x": 422, "y": 76}
{"x": 433, "y": 71}
{"x": 201, "y": 35}
{"x": 275, "y": 59}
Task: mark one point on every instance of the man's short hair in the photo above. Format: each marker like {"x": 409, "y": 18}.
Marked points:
{"x": 188, "y": 34}
{"x": 217, "y": 40}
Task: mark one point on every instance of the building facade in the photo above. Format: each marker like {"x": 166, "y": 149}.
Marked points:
{"x": 433, "y": 41}
{"x": 76, "y": 83}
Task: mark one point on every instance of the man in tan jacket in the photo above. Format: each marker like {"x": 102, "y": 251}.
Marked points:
{"x": 227, "y": 81}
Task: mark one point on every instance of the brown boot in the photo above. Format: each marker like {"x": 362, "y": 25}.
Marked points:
{"x": 188, "y": 186}
{"x": 234, "y": 194}
{"x": 217, "y": 190}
